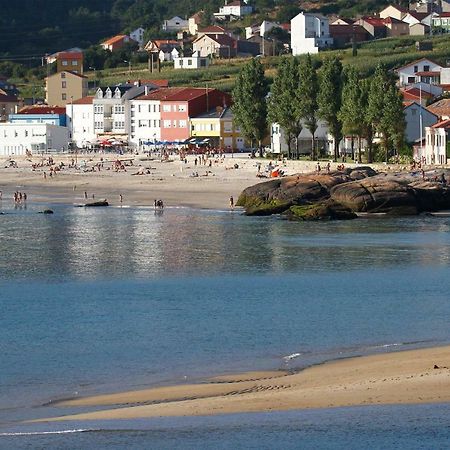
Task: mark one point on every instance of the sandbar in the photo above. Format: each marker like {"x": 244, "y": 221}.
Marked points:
{"x": 403, "y": 377}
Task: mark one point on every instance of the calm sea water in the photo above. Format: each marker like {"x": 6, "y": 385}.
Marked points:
{"x": 100, "y": 300}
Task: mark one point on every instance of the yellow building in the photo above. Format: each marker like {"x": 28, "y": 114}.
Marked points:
{"x": 217, "y": 125}
{"x": 63, "y": 87}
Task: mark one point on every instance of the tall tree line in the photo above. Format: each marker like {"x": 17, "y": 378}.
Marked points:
{"x": 302, "y": 94}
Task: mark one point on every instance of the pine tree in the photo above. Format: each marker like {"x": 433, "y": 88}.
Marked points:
{"x": 250, "y": 105}
{"x": 307, "y": 94}
{"x": 351, "y": 112}
{"x": 283, "y": 103}
{"x": 330, "y": 99}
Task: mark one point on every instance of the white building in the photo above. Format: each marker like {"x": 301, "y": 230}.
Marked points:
{"x": 417, "y": 117}
{"x": 309, "y": 33}
{"x": 437, "y": 138}
{"x": 138, "y": 36}
{"x": 233, "y": 10}
{"x": 80, "y": 121}
{"x": 191, "y": 62}
{"x": 423, "y": 70}
{"x": 278, "y": 142}
{"x": 175, "y": 24}
{"x": 17, "y": 138}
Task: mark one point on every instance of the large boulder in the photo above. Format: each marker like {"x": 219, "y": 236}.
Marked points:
{"x": 326, "y": 210}
{"x": 278, "y": 195}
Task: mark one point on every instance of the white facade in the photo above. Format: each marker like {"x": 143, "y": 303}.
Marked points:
{"x": 168, "y": 56}
{"x": 80, "y": 121}
{"x": 175, "y": 24}
{"x": 392, "y": 11}
{"x": 235, "y": 9}
{"x": 278, "y": 140}
{"x": 146, "y": 115}
{"x": 309, "y": 33}
{"x": 191, "y": 62}
{"x": 16, "y": 139}
{"x": 407, "y": 74}
{"x": 409, "y": 18}
{"x": 138, "y": 36}
{"x": 415, "y": 118}
{"x": 436, "y": 141}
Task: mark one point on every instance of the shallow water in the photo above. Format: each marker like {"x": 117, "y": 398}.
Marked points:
{"x": 99, "y": 300}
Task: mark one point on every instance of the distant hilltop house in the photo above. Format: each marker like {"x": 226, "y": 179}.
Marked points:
{"x": 71, "y": 59}
{"x": 310, "y": 33}
{"x": 115, "y": 43}
{"x": 138, "y": 36}
{"x": 422, "y": 70}
{"x": 175, "y": 24}
{"x": 166, "y": 49}
{"x": 441, "y": 22}
{"x": 63, "y": 87}
{"x": 233, "y": 10}
{"x": 220, "y": 45}
{"x": 260, "y": 29}
{"x": 194, "y": 22}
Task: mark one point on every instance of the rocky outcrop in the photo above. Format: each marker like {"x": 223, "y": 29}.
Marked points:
{"x": 341, "y": 194}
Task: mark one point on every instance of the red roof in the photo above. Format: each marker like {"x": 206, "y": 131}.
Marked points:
{"x": 222, "y": 39}
{"x": 444, "y": 14}
{"x": 443, "y": 124}
{"x": 159, "y": 83}
{"x": 285, "y": 26}
{"x": 84, "y": 101}
{"x": 414, "y": 93}
{"x": 212, "y": 29}
{"x": 159, "y": 42}
{"x": 394, "y": 20}
{"x": 43, "y": 109}
{"x": 69, "y": 55}
{"x": 160, "y": 94}
{"x": 374, "y": 21}
{"x": 418, "y": 15}
{"x": 428, "y": 74}
{"x": 187, "y": 94}
{"x": 114, "y": 39}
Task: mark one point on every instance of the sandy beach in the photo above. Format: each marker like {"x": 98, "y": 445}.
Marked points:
{"x": 171, "y": 181}
{"x": 406, "y": 377}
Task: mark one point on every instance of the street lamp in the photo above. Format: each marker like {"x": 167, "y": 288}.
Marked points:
{"x": 95, "y": 76}
{"x": 129, "y": 67}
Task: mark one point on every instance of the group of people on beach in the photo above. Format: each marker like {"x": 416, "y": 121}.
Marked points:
{"x": 20, "y": 198}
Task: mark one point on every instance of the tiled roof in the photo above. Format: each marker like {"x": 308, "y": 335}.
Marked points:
{"x": 443, "y": 124}
{"x": 212, "y": 29}
{"x": 414, "y": 92}
{"x": 69, "y": 55}
{"x": 428, "y": 73}
{"x": 187, "y": 94}
{"x": 441, "y": 107}
{"x": 84, "y": 101}
{"x": 374, "y": 21}
{"x": 114, "y": 39}
{"x": 412, "y": 63}
{"x": 444, "y": 14}
{"x": 222, "y": 39}
{"x": 43, "y": 109}
{"x": 160, "y": 94}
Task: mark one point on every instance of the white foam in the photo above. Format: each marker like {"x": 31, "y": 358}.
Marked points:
{"x": 35, "y": 433}
{"x": 292, "y": 356}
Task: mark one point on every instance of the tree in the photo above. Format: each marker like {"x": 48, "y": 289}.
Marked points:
{"x": 283, "y": 104}
{"x": 330, "y": 99}
{"x": 250, "y": 106}
{"x": 307, "y": 95}
{"x": 351, "y": 113}
{"x": 367, "y": 130}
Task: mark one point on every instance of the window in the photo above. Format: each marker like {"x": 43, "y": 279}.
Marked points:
{"x": 411, "y": 80}
{"x": 189, "y": 62}
{"x": 63, "y": 97}
{"x": 426, "y": 68}
{"x": 166, "y": 108}
{"x": 182, "y": 124}
{"x": 416, "y": 69}
{"x": 174, "y": 123}
{"x": 63, "y": 74}
{"x": 181, "y": 108}
{"x": 167, "y": 123}
{"x": 203, "y": 63}
{"x": 65, "y": 63}
{"x": 413, "y": 112}
{"x": 74, "y": 63}
{"x": 149, "y": 108}
{"x": 63, "y": 84}
{"x": 139, "y": 108}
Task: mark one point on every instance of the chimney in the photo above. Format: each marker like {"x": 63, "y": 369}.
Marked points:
{"x": 146, "y": 90}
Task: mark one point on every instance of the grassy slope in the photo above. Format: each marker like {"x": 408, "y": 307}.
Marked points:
{"x": 393, "y": 52}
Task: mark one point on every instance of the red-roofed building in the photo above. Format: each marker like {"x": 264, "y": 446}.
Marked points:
{"x": 396, "y": 27}
{"x": 116, "y": 42}
{"x": 414, "y": 94}
{"x": 72, "y": 61}
{"x": 441, "y": 22}
{"x": 375, "y": 26}
{"x": 437, "y": 143}
{"x": 409, "y": 73}
{"x": 344, "y": 34}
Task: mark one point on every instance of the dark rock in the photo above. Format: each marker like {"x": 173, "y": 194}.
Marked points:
{"x": 327, "y": 210}
{"x": 98, "y": 203}
{"x": 46, "y": 211}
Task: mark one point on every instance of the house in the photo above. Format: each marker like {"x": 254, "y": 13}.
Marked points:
{"x": 63, "y": 87}
{"x": 441, "y": 108}
{"x": 115, "y": 43}
{"x": 417, "y": 118}
{"x": 80, "y": 116}
{"x": 213, "y": 29}
{"x": 394, "y": 12}
{"x": 138, "y": 36}
{"x": 8, "y": 105}
{"x": 191, "y": 62}
{"x": 233, "y": 10}
{"x": 341, "y": 21}
{"x": 421, "y": 93}
{"x": 278, "y": 142}
{"x": 375, "y": 26}
{"x": 437, "y": 143}
{"x": 217, "y": 127}
{"x": 309, "y": 33}
{"x": 220, "y": 45}
{"x": 418, "y": 29}
{"x": 423, "y": 70}
{"x": 54, "y": 115}
{"x": 175, "y": 24}
{"x": 17, "y": 138}
{"x": 441, "y": 22}
{"x": 194, "y": 21}
{"x": 345, "y": 34}
{"x": 396, "y": 27}
{"x": 413, "y": 18}
{"x": 166, "y": 49}
{"x": 69, "y": 60}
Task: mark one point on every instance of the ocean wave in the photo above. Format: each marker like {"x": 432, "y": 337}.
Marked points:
{"x": 37, "y": 433}
{"x": 291, "y": 356}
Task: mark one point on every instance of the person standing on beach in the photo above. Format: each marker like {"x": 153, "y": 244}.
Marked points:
{"x": 85, "y": 195}
{"x": 121, "y": 199}
{"x": 231, "y": 202}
